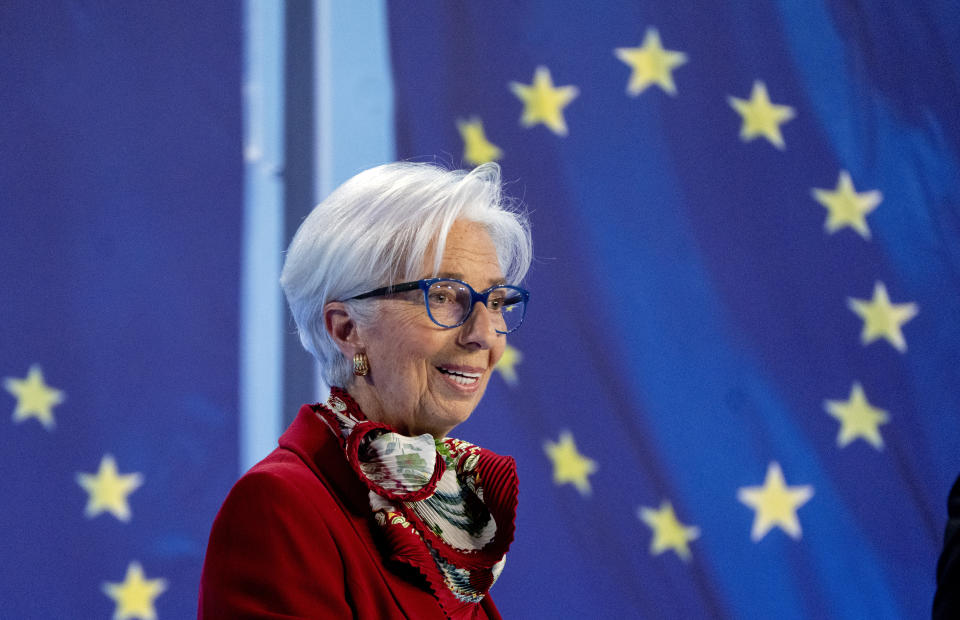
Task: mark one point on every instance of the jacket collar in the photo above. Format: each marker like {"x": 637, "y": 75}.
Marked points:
{"x": 312, "y": 440}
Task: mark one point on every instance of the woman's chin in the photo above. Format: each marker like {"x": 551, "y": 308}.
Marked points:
{"x": 449, "y": 414}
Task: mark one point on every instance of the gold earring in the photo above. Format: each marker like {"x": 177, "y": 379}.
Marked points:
{"x": 361, "y": 365}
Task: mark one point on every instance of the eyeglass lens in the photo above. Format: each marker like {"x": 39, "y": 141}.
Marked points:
{"x": 450, "y": 301}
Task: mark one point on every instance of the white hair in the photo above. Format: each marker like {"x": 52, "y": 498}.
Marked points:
{"x": 376, "y": 229}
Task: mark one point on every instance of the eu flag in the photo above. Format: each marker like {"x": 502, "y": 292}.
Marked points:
{"x": 735, "y": 393}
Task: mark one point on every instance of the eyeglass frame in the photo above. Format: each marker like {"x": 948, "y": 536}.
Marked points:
{"x": 475, "y": 297}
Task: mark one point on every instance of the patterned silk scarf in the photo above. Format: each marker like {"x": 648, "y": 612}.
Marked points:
{"x": 445, "y": 506}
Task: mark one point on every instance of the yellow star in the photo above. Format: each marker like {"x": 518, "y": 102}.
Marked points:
{"x": 507, "y": 366}
{"x": 134, "y": 597}
{"x": 775, "y": 504}
{"x": 476, "y": 148}
{"x": 668, "y": 532}
{"x": 35, "y": 399}
{"x": 542, "y": 103}
{"x": 882, "y": 319}
{"x": 845, "y": 207}
{"x": 760, "y": 117}
{"x": 858, "y": 418}
{"x": 651, "y": 64}
{"x": 108, "y": 490}
{"x": 568, "y": 464}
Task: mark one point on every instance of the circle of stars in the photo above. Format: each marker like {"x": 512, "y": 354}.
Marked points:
{"x": 775, "y": 502}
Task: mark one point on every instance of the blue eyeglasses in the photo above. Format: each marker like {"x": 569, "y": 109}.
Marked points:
{"x": 449, "y": 302}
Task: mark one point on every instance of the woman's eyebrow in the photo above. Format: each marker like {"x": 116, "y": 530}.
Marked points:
{"x": 459, "y": 276}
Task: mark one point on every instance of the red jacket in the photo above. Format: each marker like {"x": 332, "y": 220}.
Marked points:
{"x": 294, "y": 539}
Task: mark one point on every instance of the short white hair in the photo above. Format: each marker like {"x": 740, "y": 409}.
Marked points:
{"x": 376, "y": 229}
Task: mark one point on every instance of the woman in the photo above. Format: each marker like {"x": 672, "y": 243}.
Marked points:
{"x": 401, "y": 284}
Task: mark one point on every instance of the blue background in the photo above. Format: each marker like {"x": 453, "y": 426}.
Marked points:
{"x": 689, "y": 314}
{"x": 121, "y": 190}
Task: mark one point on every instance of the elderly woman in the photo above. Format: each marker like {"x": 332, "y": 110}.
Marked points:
{"x": 403, "y": 286}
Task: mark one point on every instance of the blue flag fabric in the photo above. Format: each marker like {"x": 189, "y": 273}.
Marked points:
{"x": 120, "y": 188}
{"x": 735, "y": 393}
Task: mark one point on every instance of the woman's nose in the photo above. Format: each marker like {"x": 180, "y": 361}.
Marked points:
{"x": 479, "y": 329}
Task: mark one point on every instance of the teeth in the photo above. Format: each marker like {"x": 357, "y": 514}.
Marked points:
{"x": 463, "y": 378}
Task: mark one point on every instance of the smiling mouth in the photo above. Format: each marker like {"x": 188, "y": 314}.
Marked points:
{"x": 460, "y": 376}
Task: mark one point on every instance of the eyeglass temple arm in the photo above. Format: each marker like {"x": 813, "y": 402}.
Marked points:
{"x": 386, "y": 290}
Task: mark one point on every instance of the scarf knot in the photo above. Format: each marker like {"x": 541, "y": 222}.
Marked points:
{"x": 444, "y": 506}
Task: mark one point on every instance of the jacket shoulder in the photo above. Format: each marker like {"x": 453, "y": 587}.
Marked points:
{"x": 281, "y": 488}
{"x": 274, "y": 546}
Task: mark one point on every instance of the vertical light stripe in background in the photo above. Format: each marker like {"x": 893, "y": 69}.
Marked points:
{"x": 261, "y": 309}
{"x": 354, "y": 90}
{"x": 354, "y": 130}
{"x": 354, "y": 94}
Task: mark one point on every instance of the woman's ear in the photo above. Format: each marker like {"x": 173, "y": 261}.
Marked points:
{"x": 341, "y": 327}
